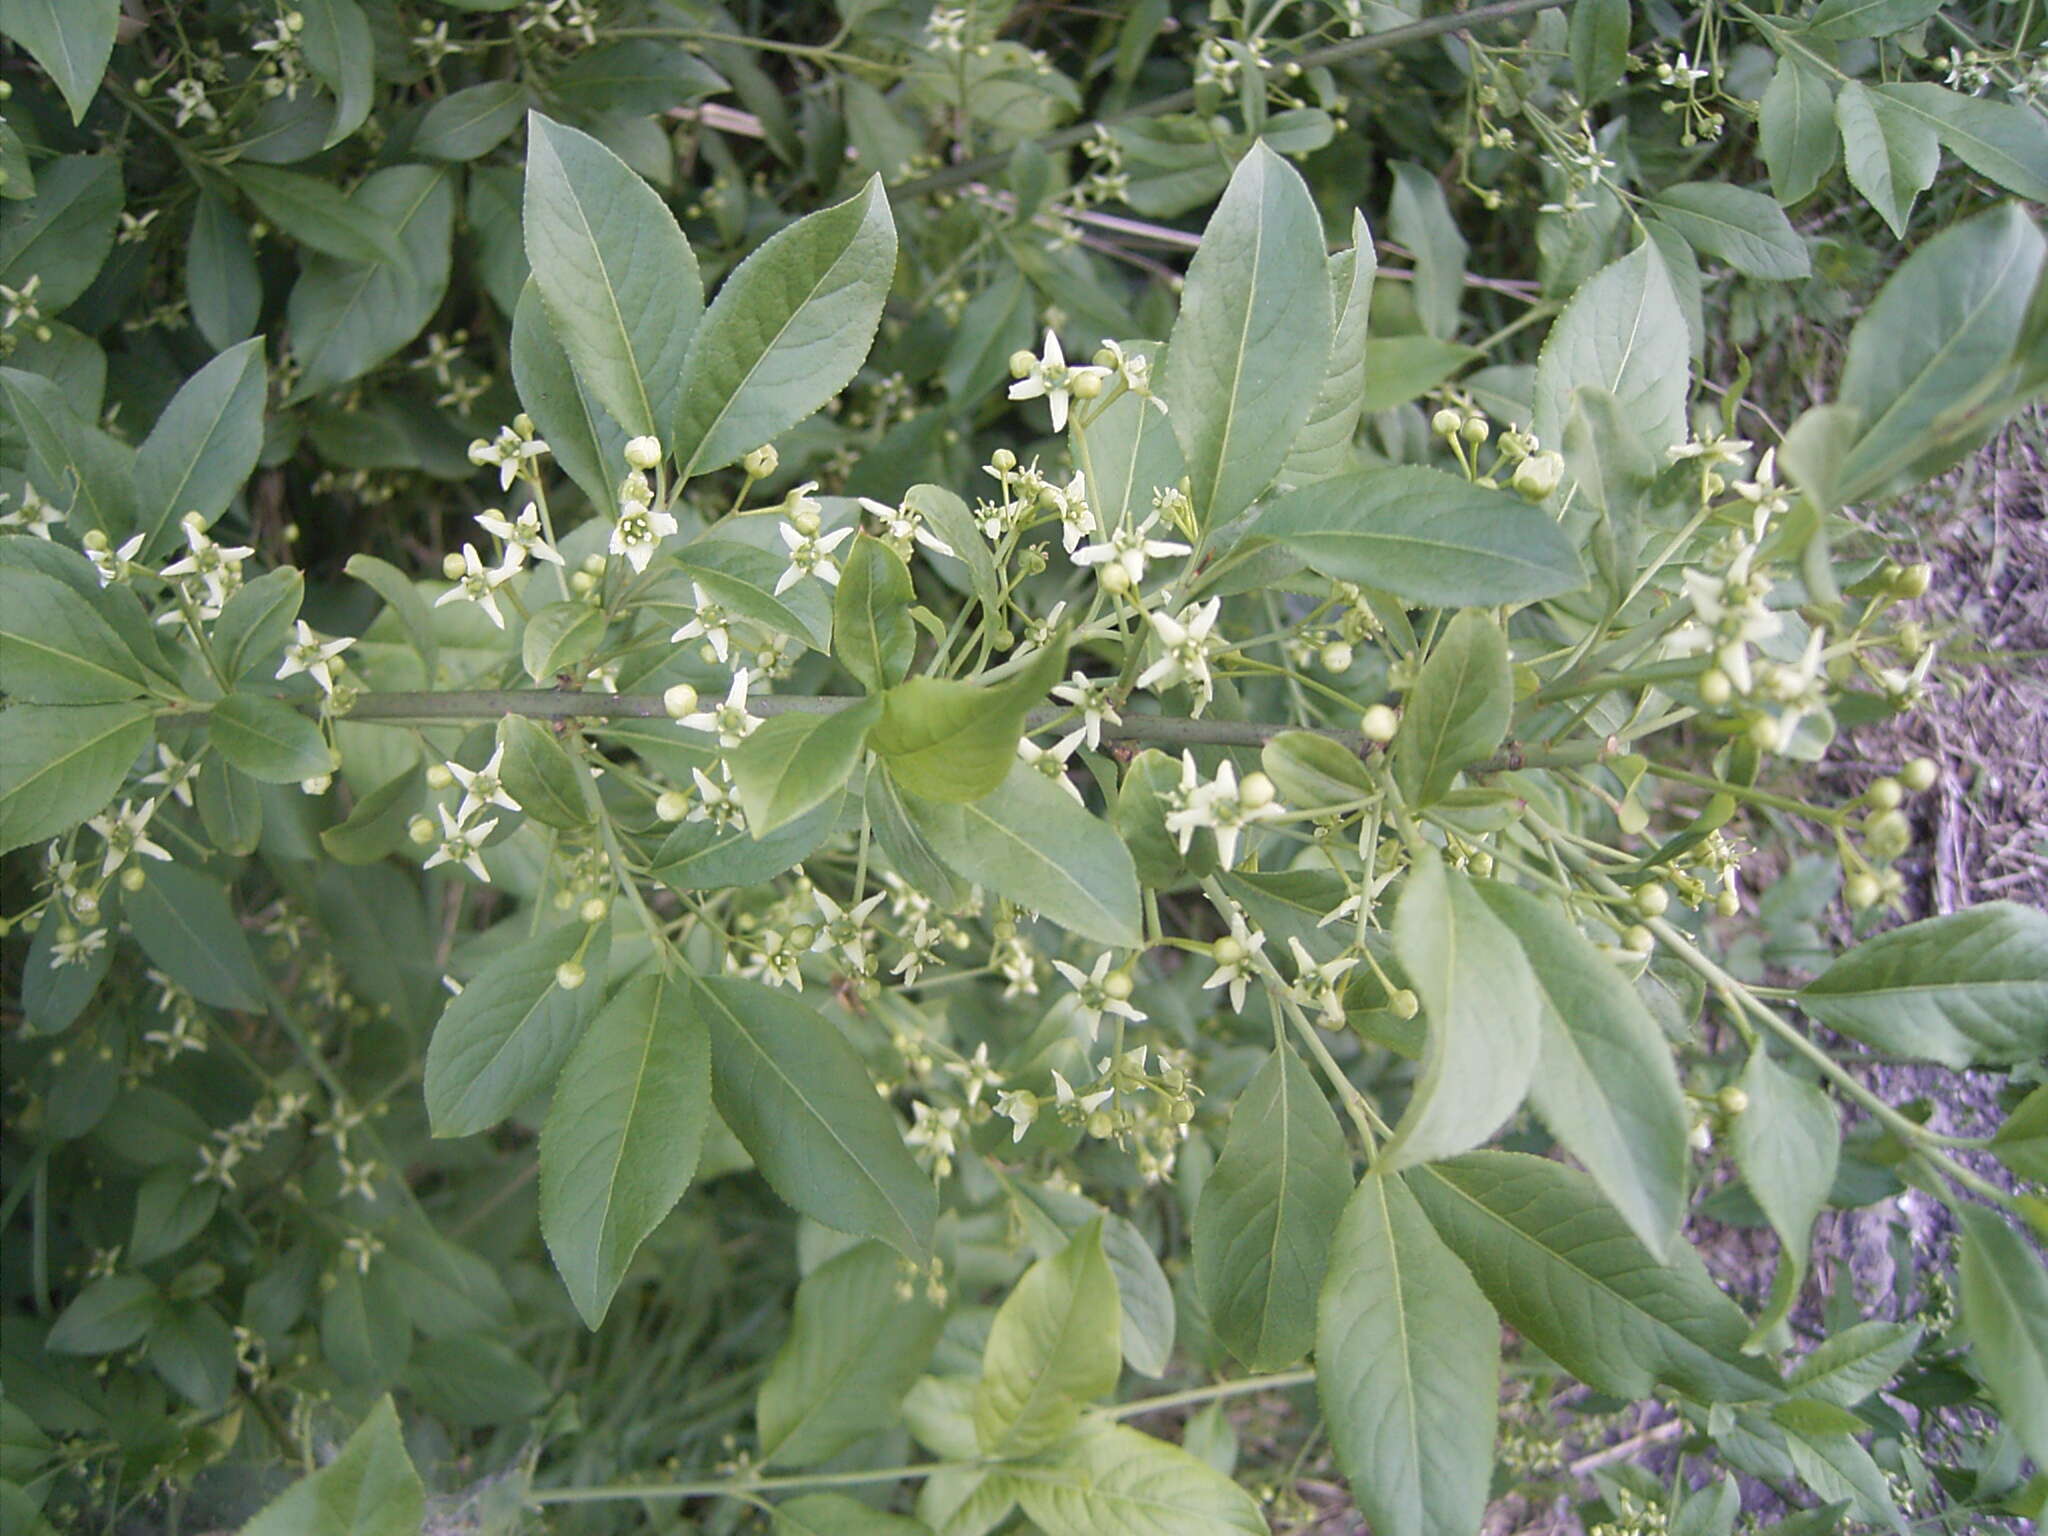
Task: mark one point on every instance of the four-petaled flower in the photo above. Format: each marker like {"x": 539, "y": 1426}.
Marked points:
{"x": 810, "y": 554}
{"x": 1188, "y": 645}
{"x": 478, "y": 583}
{"x": 1050, "y": 376}
{"x": 313, "y": 656}
{"x": 730, "y": 720}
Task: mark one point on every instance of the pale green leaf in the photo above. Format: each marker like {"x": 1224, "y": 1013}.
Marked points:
{"x": 1746, "y": 229}
{"x": 872, "y": 633}
{"x": 1052, "y": 1349}
{"x": 1842, "y": 21}
{"x": 1111, "y": 1480}
{"x": 839, "y": 1514}
{"x": 1890, "y": 154}
{"x": 1624, "y": 331}
{"x": 84, "y": 471}
{"x": 370, "y": 1489}
{"x": 950, "y": 741}
{"x": 1458, "y": 710}
{"x": 1848, "y": 1366}
{"x": 1322, "y": 448}
{"x": 316, "y": 213}
{"x": 1787, "y": 1142}
{"x": 793, "y": 763}
{"x": 466, "y": 124}
{"x": 2004, "y": 1293}
{"x": 203, "y": 447}
{"x": 1419, "y": 217}
{"x": 1796, "y": 130}
{"x": 2004, "y": 140}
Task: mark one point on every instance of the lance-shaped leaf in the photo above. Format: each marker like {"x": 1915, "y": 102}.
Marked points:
{"x": 1407, "y": 1367}
{"x": 1030, "y": 842}
{"x": 203, "y": 446}
{"x": 1561, "y": 1267}
{"x": 1890, "y": 154}
{"x": 65, "y": 231}
{"x": 1425, "y": 536}
{"x": 1787, "y": 1142}
{"x": 183, "y": 922}
{"x": 956, "y": 741}
{"x": 1245, "y": 361}
{"x": 1604, "y": 1081}
{"x": 1262, "y": 1229}
{"x": 506, "y": 1035}
{"x": 622, "y": 1137}
{"x": 788, "y": 330}
{"x": 56, "y": 649}
{"x": 2005, "y": 1308}
{"x": 2004, "y": 140}
{"x": 801, "y": 1103}
{"x": 1968, "y": 989}
{"x": 1458, "y": 710}
{"x": 1746, "y": 229}
{"x": 872, "y": 633}
{"x": 1481, "y": 1002}
{"x": 60, "y": 763}
{"x": 855, "y": 1345}
{"x": 794, "y": 763}
{"x": 268, "y": 739}
{"x": 1053, "y": 1349}
{"x": 617, "y": 277}
{"x": 317, "y": 214}
{"x": 1322, "y": 448}
{"x": 1112, "y": 1479}
{"x": 1796, "y": 130}
{"x": 370, "y": 1489}
{"x": 77, "y": 466}
{"x": 1624, "y": 332}
{"x": 71, "y": 39}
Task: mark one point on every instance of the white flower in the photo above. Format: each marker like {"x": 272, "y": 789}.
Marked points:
{"x": 975, "y": 1074}
{"x": 190, "y": 98}
{"x": 1713, "y": 449}
{"x": 218, "y": 566}
{"x": 902, "y": 526}
{"x": 716, "y": 802}
{"x": 1051, "y": 377}
{"x": 477, "y": 584}
{"x": 522, "y": 537}
{"x": 729, "y": 720}
{"x": 1219, "y": 806}
{"x": 1077, "y": 517}
{"x": 1133, "y": 368}
{"x": 1096, "y": 993}
{"x": 112, "y": 565}
{"x": 462, "y": 845}
{"x": 1317, "y": 986}
{"x": 482, "y": 786}
{"x": 174, "y": 775}
{"x": 934, "y": 1132}
{"x": 1188, "y": 647}
{"x": 638, "y": 533}
{"x": 1129, "y": 548}
{"x": 810, "y": 554}
{"x": 1020, "y": 1108}
{"x": 1236, "y": 960}
{"x": 1052, "y": 761}
{"x": 126, "y": 833}
{"x": 710, "y": 623}
{"x": 1092, "y": 696}
{"x": 845, "y": 928}
{"x": 1764, "y": 493}
{"x": 34, "y": 515}
{"x": 313, "y": 656}
{"x": 511, "y": 450}
{"x": 1064, "y": 1096}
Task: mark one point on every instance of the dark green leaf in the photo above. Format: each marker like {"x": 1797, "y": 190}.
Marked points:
{"x": 315, "y": 214}
{"x": 2004, "y": 140}
{"x": 1458, "y": 710}
{"x": 269, "y": 740}
{"x": 342, "y": 56}
{"x": 64, "y": 232}
{"x": 71, "y": 39}
{"x": 184, "y": 923}
{"x": 1745, "y": 229}
{"x": 541, "y": 775}
{"x": 111, "y": 1313}
{"x": 203, "y": 446}
{"x": 55, "y": 649}
{"x": 62, "y": 763}
{"x": 1891, "y": 154}
{"x": 466, "y": 124}
{"x": 1796, "y": 130}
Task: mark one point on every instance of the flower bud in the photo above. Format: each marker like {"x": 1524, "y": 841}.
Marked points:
{"x": 679, "y": 701}
{"x": 672, "y": 805}
{"x": 1537, "y": 476}
{"x": 86, "y": 904}
{"x": 570, "y": 975}
{"x": 1228, "y": 951}
{"x": 1022, "y": 361}
{"x": 1716, "y": 689}
{"x": 1638, "y": 940}
{"x": 762, "y": 462}
{"x": 1914, "y": 580}
{"x": 1100, "y": 1125}
{"x": 582, "y": 583}
{"x": 1861, "y": 890}
{"x": 1446, "y": 422}
{"x": 420, "y": 830}
{"x": 452, "y": 567}
{"x": 133, "y": 878}
{"x": 1003, "y": 460}
{"x": 1114, "y": 578}
{"x": 1117, "y": 986}
{"x": 1920, "y": 775}
{"x": 1379, "y": 723}
{"x": 1885, "y": 794}
{"x": 1336, "y": 657}
{"x": 1481, "y": 864}
{"x": 318, "y": 784}
{"x": 803, "y": 936}
{"x": 438, "y": 776}
{"x": 643, "y": 452}
{"x": 1652, "y": 900}
{"x": 1732, "y": 1100}
{"x": 595, "y": 909}
{"x": 1475, "y": 431}
{"x": 1889, "y": 835}
{"x": 1728, "y": 903}
{"x": 96, "y": 540}
{"x": 1085, "y": 386}
{"x": 1256, "y": 792}
{"x": 1403, "y": 1004}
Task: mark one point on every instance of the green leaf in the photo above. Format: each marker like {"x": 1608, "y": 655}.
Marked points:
{"x": 55, "y": 649}
{"x": 71, "y": 39}
{"x": 111, "y": 1313}
{"x": 1624, "y": 332}
{"x": 1787, "y": 1142}
{"x": 541, "y": 775}
{"x": 702, "y": 856}
{"x": 854, "y": 1348}
{"x": 839, "y": 1514}
{"x": 1111, "y": 1480}
{"x": 1053, "y": 1348}
{"x": 1891, "y": 155}
{"x": 947, "y": 516}
{"x": 787, "y": 331}
{"x": 1834, "y": 1464}
{"x": 742, "y": 578}
{"x": 1745, "y": 229}
{"x": 203, "y": 447}
{"x": 635, "y": 77}
{"x": 184, "y": 924}
{"x": 1941, "y": 327}
{"x": 801, "y": 1103}
{"x": 1843, "y": 21}
{"x": 231, "y": 808}
{"x": 1322, "y": 448}
{"x": 618, "y": 279}
{"x": 559, "y": 636}
{"x": 583, "y": 438}
{"x": 1052, "y": 1216}
{"x": 254, "y": 624}
{"x": 2004, "y": 140}
{"x": 1604, "y": 1083}
{"x": 65, "y": 231}
{"x": 872, "y": 635}
{"x": 2021, "y": 1143}
{"x": 314, "y": 213}
{"x": 623, "y": 1134}
{"x": 1031, "y": 844}
{"x": 193, "y": 1350}
{"x": 365, "y": 1331}
{"x": 1796, "y": 130}
{"x": 347, "y": 316}
{"x": 375, "y": 827}
{"x": 342, "y": 56}
{"x": 1262, "y": 1228}
{"x": 794, "y": 763}
{"x": 1848, "y": 1367}
{"x": 1312, "y": 771}
{"x": 370, "y": 1489}
{"x": 1968, "y": 989}
{"x": 506, "y": 1035}
{"x": 1419, "y": 217}
{"x": 1426, "y": 536}
{"x": 81, "y": 469}
{"x": 908, "y": 851}
{"x": 2004, "y": 1294}
{"x": 470, "y": 123}
{"x": 269, "y": 740}
{"x": 1246, "y": 358}
{"x": 1598, "y": 41}
{"x": 1407, "y": 1367}
{"x": 1458, "y": 710}
{"x": 403, "y": 598}
{"x": 955, "y": 741}
{"x": 62, "y": 763}
{"x": 1482, "y": 1005}
{"x": 170, "y": 1210}
{"x": 475, "y": 1381}
{"x": 1562, "y": 1268}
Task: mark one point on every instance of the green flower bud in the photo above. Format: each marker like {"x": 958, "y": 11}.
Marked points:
{"x": 1861, "y": 890}
{"x": 1885, "y": 794}
{"x": 1920, "y": 775}
{"x": 420, "y": 830}
{"x": 1379, "y": 723}
{"x": 1336, "y": 657}
{"x": 1022, "y": 361}
{"x": 679, "y": 701}
{"x": 570, "y": 975}
{"x": 762, "y": 462}
{"x": 672, "y": 805}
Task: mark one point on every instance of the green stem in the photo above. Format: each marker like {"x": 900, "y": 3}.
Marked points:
{"x": 1277, "y": 1381}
